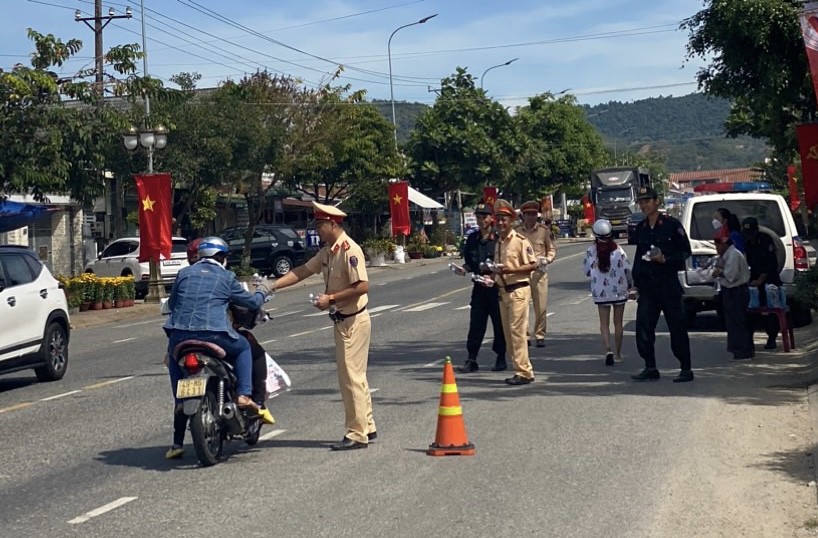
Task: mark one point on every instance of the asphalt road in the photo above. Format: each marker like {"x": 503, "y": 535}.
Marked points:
{"x": 581, "y": 452}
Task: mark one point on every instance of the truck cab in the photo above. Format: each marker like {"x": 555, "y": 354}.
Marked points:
{"x": 613, "y": 194}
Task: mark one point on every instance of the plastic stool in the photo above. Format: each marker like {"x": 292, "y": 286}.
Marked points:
{"x": 784, "y": 323}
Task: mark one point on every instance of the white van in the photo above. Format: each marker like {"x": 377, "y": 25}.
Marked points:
{"x": 774, "y": 219}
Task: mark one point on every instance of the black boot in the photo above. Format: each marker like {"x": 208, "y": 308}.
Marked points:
{"x": 499, "y": 364}
{"x": 469, "y": 367}
{"x": 648, "y": 374}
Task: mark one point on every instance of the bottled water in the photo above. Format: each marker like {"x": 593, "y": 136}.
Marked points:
{"x": 652, "y": 253}
{"x": 314, "y": 301}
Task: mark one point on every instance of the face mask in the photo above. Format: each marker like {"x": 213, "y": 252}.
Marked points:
{"x": 716, "y": 224}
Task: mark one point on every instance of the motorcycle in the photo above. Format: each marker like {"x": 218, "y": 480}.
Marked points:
{"x": 208, "y": 394}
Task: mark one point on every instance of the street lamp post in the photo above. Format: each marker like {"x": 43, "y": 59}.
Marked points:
{"x": 495, "y": 67}
{"x": 389, "y": 55}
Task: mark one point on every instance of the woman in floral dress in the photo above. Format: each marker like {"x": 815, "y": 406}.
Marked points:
{"x": 610, "y": 272}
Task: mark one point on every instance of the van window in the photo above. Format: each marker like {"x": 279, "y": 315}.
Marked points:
{"x": 179, "y": 245}
{"x": 767, "y": 212}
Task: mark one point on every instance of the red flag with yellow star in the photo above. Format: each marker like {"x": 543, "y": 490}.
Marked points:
{"x": 399, "y": 208}
{"x": 155, "y": 210}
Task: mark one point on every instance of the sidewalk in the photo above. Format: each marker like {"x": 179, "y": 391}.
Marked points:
{"x": 141, "y": 310}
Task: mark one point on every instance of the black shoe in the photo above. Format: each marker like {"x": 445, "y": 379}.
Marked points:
{"x": 348, "y": 444}
{"x": 770, "y": 343}
{"x": 529, "y": 343}
{"x": 741, "y": 357}
{"x": 372, "y": 436}
{"x": 648, "y": 374}
{"x": 517, "y": 380}
{"x": 609, "y": 360}
{"x": 499, "y": 364}
{"x": 684, "y": 376}
{"x": 469, "y": 367}
{"x": 541, "y": 342}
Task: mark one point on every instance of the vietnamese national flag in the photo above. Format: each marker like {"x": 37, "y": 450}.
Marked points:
{"x": 489, "y": 196}
{"x": 588, "y": 209}
{"x": 399, "y": 208}
{"x": 155, "y": 209}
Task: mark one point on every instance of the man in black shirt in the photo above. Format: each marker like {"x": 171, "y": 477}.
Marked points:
{"x": 763, "y": 262}
{"x": 661, "y": 251}
{"x": 479, "y": 246}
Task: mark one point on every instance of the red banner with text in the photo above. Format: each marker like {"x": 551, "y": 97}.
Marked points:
{"x": 399, "y": 208}
{"x": 808, "y": 148}
{"x": 155, "y": 216}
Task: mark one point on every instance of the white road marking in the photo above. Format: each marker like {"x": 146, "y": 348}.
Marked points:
{"x": 581, "y": 300}
{"x": 59, "y": 395}
{"x": 548, "y": 315}
{"x": 431, "y": 364}
{"x": 426, "y": 306}
{"x": 268, "y": 341}
{"x": 106, "y": 383}
{"x": 162, "y": 322}
{"x": 274, "y": 433}
{"x": 321, "y": 313}
{"x": 375, "y": 315}
{"x": 125, "y": 340}
{"x": 373, "y": 391}
{"x": 463, "y": 307}
{"x": 383, "y": 283}
{"x": 281, "y": 315}
{"x": 310, "y": 332}
{"x": 101, "y": 510}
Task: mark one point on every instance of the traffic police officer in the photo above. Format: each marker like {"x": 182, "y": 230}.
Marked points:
{"x": 539, "y": 235}
{"x": 661, "y": 250}
{"x": 514, "y": 261}
{"x": 480, "y": 246}
{"x": 341, "y": 261}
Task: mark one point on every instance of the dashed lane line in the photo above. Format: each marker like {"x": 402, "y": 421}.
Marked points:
{"x": 101, "y": 510}
{"x": 59, "y": 396}
{"x": 425, "y": 306}
{"x": 267, "y": 341}
{"x": 16, "y": 407}
{"x": 106, "y": 383}
{"x": 125, "y": 340}
{"x": 268, "y": 436}
{"x": 433, "y": 364}
{"x": 310, "y": 332}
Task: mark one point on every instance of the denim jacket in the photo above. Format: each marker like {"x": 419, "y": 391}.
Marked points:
{"x": 200, "y": 296}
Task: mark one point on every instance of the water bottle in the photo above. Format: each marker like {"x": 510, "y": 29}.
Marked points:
{"x": 652, "y": 253}
{"x": 313, "y": 299}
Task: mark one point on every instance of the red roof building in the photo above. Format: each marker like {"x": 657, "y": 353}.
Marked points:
{"x": 685, "y": 181}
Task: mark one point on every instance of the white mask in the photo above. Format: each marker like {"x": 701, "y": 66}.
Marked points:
{"x": 716, "y": 224}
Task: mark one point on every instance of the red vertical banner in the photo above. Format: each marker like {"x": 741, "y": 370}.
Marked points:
{"x": 588, "y": 208}
{"x": 399, "y": 208}
{"x": 808, "y": 148}
{"x": 792, "y": 186}
{"x": 489, "y": 196}
{"x": 155, "y": 216}
{"x": 809, "y": 31}
{"x": 547, "y": 207}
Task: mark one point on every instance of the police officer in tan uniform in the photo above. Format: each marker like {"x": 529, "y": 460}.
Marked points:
{"x": 539, "y": 235}
{"x": 514, "y": 259}
{"x": 341, "y": 261}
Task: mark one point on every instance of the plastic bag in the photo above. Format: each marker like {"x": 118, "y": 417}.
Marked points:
{"x": 754, "y": 300}
{"x": 776, "y": 298}
{"x": 277, "y": 379}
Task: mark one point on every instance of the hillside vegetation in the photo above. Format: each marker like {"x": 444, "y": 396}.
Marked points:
{"x": 688, "y": 130}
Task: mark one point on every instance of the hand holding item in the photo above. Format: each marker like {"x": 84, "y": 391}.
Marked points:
{"x": 483, "y": 280}
{"x": 542, "y": 264}
{"x": 456, "y": 269}
{"x": 633, "y": 294}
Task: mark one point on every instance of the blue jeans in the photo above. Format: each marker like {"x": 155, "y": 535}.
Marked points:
{"x": 238, "y": 350}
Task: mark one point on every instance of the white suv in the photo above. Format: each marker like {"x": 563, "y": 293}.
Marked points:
{"x": 120, "y": 258}
{"x": 774, "y": 219}
{"x": 35, "y": 326}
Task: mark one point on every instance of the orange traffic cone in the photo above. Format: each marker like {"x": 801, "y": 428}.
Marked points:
{"x": 450, "y": 439}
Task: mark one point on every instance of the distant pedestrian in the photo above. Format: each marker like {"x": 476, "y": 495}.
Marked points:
{"x": 733, "y": 274}
{"x": 545, "y": 250}
{"x": 761, "y": 256}
{"x": 723, "y": 218}
{"x": 514, "y": 259}
{"x": 606, "y": 264}
{"x": 662, "y": 247}
{"x": 484, "y": 303}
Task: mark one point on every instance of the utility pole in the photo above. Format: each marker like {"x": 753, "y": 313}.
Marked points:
{"x": 100, "y": 22}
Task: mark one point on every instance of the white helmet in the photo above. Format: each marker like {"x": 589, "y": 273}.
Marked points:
{"x": 602, "y": 228}
{"x": 210, "y": 246}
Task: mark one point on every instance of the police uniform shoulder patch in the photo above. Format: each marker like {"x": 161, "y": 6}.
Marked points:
{"x": 353, "y": 261}
{"x": 529, "y": 250}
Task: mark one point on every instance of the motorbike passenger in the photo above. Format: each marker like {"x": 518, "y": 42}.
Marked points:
{"x": 198, "y": 306}
{"x": 244, "y": 321}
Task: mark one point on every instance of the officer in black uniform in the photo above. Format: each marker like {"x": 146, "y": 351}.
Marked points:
{"x": 661, "y": 250}
{"x": 479, "y": 246}
{"x": 763, "y": 262}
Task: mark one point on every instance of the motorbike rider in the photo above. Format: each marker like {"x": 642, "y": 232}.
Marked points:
{"x": 198, "y": 305}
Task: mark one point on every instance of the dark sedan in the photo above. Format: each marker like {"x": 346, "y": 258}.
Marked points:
{"x": 633, "y": 222}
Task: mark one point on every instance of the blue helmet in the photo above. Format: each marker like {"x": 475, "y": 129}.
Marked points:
{"x": 210, "y": 246}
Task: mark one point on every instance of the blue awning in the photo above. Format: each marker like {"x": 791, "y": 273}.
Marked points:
{"x": 14, "y": 215}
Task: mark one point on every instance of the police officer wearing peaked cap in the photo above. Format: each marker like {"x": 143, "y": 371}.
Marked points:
{"x": 661, "y": 250}
{"x": 341, "y": 262}
{"x": 480, "y": 246}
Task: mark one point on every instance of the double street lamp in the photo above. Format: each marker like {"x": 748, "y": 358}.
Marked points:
{"x": 150, "y": 139}
{"x": 389, "y": 55}
{"x": 495, "y": 67}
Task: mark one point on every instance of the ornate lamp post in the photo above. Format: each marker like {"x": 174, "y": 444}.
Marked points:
{"x": 150, "y": 139}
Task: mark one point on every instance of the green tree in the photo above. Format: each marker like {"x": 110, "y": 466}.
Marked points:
{"x": 465, "y": 140}
{"x": 559, "y": 147}
{"x": 49, "y": 146}
{"x": 757, "y": 61}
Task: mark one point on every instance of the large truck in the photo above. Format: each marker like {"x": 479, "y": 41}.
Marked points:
{"x": 614, "y": 192}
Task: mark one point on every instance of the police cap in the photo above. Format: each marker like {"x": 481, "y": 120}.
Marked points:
{"x": 483, "y": 209}
{"x": 328, "y": 212}
{"x": 503, "y": 207}
{"x": 646, "y": 193}
{"x": 750, "y": 224}
{"x": 530, "y": 206}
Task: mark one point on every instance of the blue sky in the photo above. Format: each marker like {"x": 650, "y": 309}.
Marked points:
{"x": 601, "y": 50}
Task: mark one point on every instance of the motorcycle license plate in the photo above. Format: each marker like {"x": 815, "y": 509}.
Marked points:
{"x": 191, "y": 388}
